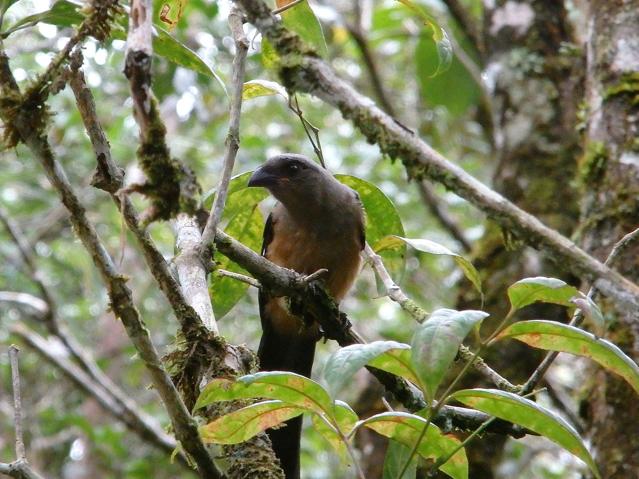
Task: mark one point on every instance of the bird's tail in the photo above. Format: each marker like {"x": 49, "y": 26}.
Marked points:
{"x": 283, "y": 352}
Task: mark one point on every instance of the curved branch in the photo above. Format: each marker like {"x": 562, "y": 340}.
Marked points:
{"x": 305, "y": 72}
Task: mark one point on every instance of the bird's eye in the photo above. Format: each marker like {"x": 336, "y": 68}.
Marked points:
{"x": 293, "y": 168}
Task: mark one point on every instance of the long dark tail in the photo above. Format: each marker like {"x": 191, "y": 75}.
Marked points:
{"x": 278, "y": 352}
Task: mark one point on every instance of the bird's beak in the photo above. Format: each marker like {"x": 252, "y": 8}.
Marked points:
{"x": 261, "y": 177}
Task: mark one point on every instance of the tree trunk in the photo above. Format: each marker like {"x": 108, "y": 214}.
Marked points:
{"x": 609, "y": 173}
{"x": 536, "y": 88}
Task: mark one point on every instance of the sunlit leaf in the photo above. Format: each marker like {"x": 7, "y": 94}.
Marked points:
{"x": 255, "y": 88}
{"x": 247, "y": 227}
{"x": 170, "y": 12}
{"x": 165, "y": 45}
{"x": 554, "y": 336}
{"x": 301, "y": 19}
{"x": 438, "y": 90}
{"x": 529, "y": 414}
{"x": 442, "y": 43}
{"x": 284, "y": 386}
{"x": 407, "y": 428}
{"x": 346, "y": 419}
{"x": 397, "y": 362}
{"x": 345, "y": 362}
{"x": 243, "y": 424}
{"x": 382, "y": 219}
{"x": 397, "y": 455}
{"x": 540, "y": 289}
{"x": 62, "y": 13}
{"x": 435, "y": 344}
{"x": 430, "y": 247}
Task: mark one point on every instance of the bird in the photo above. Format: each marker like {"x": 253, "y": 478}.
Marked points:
{"x": 317, "y": 223}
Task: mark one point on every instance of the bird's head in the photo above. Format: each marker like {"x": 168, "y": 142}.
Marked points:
{"x": 290, "y": 177}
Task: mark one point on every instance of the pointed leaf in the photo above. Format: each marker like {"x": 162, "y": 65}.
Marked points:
{"x": 442, "y": 43}
{"x": 531, "y": 415}
{"x": 430, "y": 247}
{"x": 435, "y": 344}
{"x": 258, "y": 87}
{"x": 397, "y": 362}
{"x": 284, "y": 386}
{"x": 406, "y": 428}
{"x": 243, "y": 424}
{"x": 62, "y": 13}
{"x": 247, "y": 227}
{"x": 345, "y": 418}
{"x": 345, "y": 362}
{"x": 301, "y": 19}
{"x": 382, "y": 219}
{"x": 396, "y": 456}
{"x": 540, "y": 289}
{"x": 554, "y": 336}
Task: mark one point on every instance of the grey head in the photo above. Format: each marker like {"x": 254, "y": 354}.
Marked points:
{"x": 305, "y": 188}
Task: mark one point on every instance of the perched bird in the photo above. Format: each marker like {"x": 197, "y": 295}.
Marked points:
{"x": 317, "y": 223}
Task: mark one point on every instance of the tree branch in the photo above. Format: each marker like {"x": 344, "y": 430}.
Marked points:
{"x": 19, "y": 468}
{"x": 83, "y": 381}
{"x": 136, "y": 419}
{"x": 284, "y": 282}
{"x": 305, "y": 72}
{"x": 119, "y": 293}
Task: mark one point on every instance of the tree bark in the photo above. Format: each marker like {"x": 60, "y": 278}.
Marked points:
{"x": 609, "y": 174}
{"x": 536, "y": 88}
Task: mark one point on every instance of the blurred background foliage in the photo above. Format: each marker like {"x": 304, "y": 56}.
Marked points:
{"x": 68, "y": 435}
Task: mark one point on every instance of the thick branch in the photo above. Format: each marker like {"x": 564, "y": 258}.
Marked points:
{"x": 284, "y": 282}
{"x": 119, "y": 293}
{"x": 306, "y": 73}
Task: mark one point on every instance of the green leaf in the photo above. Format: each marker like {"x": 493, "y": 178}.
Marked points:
{"x": 345, "y": 418}
{"x": 345, "y": 362}
{"x": 547, "y": 290}
{"x": 406, "y": 428}
{"x": 531, "y": 415}
{"x": 255, "y": 88}
{"x": 169, "y": 12}
{"x": 165, "y": 45}
{"x": 270, "y": 58}
{"x": 243, "y": 424}
{"x": 592, "y": 314}
{"x": 455, "y": 89}
{"x": 442, "y": 43}
{"x": 247, "y": 227}
{"x": 234, "y": 204}
{"x": 553, "y": 336}
{"x": 435, "y": 344}
{"x": 382, "y": 219}
{"x": 4, "y": 6}
{"x": 430, "y": 247}
{"x": 62, "y": 14}
{"x": 397, "y": 362}
{"x": 396, "y": 456}
{"x": 284, "y": 386}
{"x": 301, "y": 19}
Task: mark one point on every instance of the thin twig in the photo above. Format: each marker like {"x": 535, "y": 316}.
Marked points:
{"x": 51, "y": 353}
{"x": 21, "y": 454}
{"x": 235, "y": 20}
{"x": 294, "y": 105}
{"x": 239, "y": 277}
{"x": 283, "y": 8}
{"x": 578, "y": 317}
{"x": 395, "y": 293}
